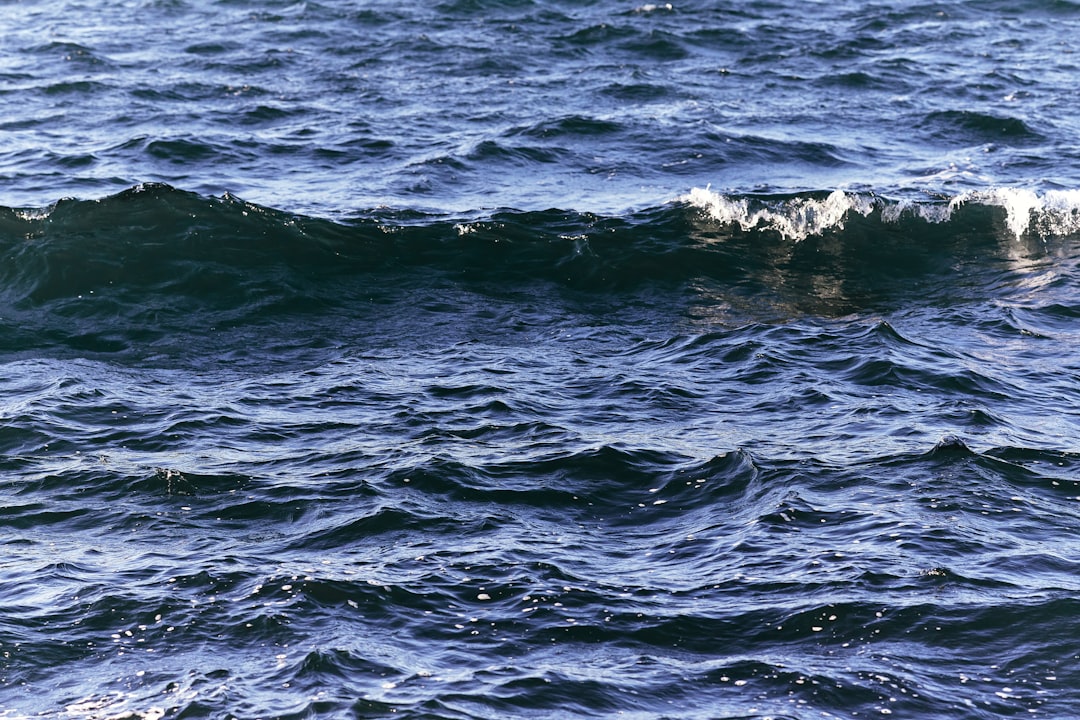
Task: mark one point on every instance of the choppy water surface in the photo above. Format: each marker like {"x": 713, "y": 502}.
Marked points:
{"x": 516, "y": 359}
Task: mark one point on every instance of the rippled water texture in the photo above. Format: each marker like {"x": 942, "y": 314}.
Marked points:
{"x": 594, "y": 106}
{"x": 539, "y": 360}
{"x": 539, "y": 464}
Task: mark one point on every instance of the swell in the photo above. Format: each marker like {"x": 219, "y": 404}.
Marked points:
{"x": 158, "y": 237}
{"x": 135, "y": 269}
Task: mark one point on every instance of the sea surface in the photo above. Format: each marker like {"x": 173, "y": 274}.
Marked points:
{"x": 517, "y": 359}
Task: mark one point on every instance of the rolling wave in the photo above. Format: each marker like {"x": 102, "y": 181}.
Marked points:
{"x": 159, "y": 238}
{"x": 145, "y": 267}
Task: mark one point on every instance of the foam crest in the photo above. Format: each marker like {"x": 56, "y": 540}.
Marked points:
{"x": 794, "y": 218}
{"x": 1054, "y": 213}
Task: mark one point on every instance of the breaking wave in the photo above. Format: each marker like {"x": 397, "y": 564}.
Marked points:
{"x": 1019, "y": 211}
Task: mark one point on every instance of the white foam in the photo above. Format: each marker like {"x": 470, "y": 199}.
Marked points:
{"x": 795, "y": 219}
{"x": 1054, "y": 213}
{"x": 1051, "y": 213}
{"x": 928, "y": 212}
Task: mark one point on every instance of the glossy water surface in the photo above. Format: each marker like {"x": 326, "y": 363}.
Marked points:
{"x": 539, "y": 360}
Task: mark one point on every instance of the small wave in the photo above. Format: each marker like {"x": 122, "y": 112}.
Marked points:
{"x": 573, "y": 125}
{"x": 71, "y": 52}
{"x": 975, "y": 127}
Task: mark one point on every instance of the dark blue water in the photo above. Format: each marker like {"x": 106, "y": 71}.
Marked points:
{"x": 539, "y": 360}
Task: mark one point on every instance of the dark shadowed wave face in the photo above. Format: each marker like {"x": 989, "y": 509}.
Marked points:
{"x": 512, "y": 359}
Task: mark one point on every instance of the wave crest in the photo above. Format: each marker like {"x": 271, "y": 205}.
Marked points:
{"x": 794, "y": 218}
{"x": 1022, "y": 212}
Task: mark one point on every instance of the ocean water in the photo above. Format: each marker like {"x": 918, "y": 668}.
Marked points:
{"x": 521, "y": 359}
